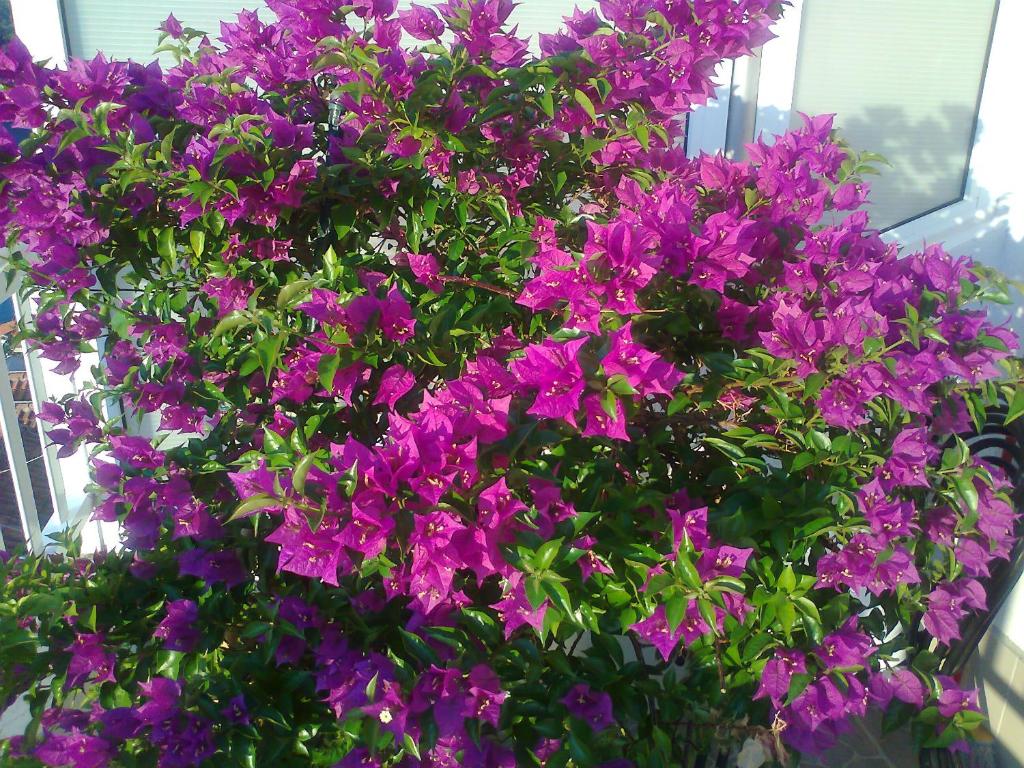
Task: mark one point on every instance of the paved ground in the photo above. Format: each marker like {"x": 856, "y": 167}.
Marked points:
{"x": 865, "y": 747}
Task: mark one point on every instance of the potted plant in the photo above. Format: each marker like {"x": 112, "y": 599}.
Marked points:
{"x": 489, "y": 429}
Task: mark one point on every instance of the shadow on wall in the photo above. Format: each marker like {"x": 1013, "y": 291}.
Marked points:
{"x": 998, "y": 673}
{"x": 931, "y": 170}
{"x": 929, "y": 158}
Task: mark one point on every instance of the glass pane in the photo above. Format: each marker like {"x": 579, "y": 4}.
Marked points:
{"x": 903, "y": 78}
{"x": 28, "y": 427}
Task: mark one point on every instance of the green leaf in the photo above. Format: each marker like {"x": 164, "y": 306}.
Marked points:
{"x": 40, "y": 604}
{"x": 167, "y": 663}
{"x": 787, "y": 580}
{"x": 410, "y": 745}
{"x": 547, "y": 103}
{"x": 546, "y": 554}
{"x": 88, "y": 619}
{"x": 430, "y": 212}
{"x": 1016, "y": 406}
{"x": 786, "y": 612}
{"x": 327, "y": 369}
{"x": 707, "y": 612}
{"x": 560, "y": 178}
{"x": 584, "y": 101}
{"x": 620, "y": 385}
{"x": 252, "y": 505}
{"x": 499, "y": 207}
{"x": 966, "y": 490}
{"x": 685, "y": 570}
{"x": 255, "y": 629}
{"x": 559, "y": 596}
{"x": 534, "y": 591}
{"x": 802, "y": 461}
{"x": 819, "y": 440}
{"x": 165, "y": 243}
{"x": 301, "y": 470}
{"x": 812, "y": 627}
{"x": 609, "y": 402}
{"x": 230, "y": 321}
{"x": 197, "y": 239}
{"x": 292, "y": 290}
{"x": 675, "y": 610}
{"x": 733, "y": 451}
{"x": 268, "y": 351}
{"x": 415, "y": 645}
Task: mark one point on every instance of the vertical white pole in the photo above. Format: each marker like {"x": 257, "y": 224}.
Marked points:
{"x": 777, "y": 76}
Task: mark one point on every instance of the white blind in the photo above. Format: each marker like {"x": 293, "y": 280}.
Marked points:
{"x": 903, "y": 77}
{"x": 127, "y": 29}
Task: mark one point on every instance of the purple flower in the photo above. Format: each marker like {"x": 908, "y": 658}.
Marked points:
{"x": 254, "y": 482}
{"x": 907, "y": 686}
{"x": 655, "y": 631}
{"x": 136, "y": 452}
{"x": 231, "y": 293}
{"x": 688, "y": 519}
{"x": 394, "y": 384}
{"x": 213, "y": 567}
{"x": 593, "y": 707}
{"x": 845, "y": 648}
{"x": 389, "y": 709}
{"x": 795, "y": 335}
{"x": 426, "y": 269}
{"x": 236, "y": 711}
{"x": 162, "y": 697}
{"x": 944, "y": 613}
{"x": 358, "y": 758}
{"x": 515, "y": 611}
{"x": 485, "y": 694}
{"x": 76, "y": 749}
{"x": 179, "y": 629}
{"x": 600, "y": 423}
{"x": 954, "y": 699}
{"x": 552, "y": 369}
{"x": 778, "y": 674}
{"x": 172, "y": 27}
{"x": 911, "y": 453}
{"x": 314, "y": 554}
{"x": 645, "y": 371}
{"x": 820, "y": 703}
{"x": 90, "y": 661}
{"x": 323, "y": 306}
{"x": 722, "y": 561}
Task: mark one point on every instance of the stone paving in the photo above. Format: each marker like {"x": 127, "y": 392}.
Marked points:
{"x": 866, "y": 747}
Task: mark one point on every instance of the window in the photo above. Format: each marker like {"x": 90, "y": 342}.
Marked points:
{"x": 27, "y": 501}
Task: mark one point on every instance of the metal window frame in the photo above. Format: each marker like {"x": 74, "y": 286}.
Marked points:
{"x": 17, "y": 460}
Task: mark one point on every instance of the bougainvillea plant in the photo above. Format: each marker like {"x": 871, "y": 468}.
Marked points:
{"x": 452, "y": 416}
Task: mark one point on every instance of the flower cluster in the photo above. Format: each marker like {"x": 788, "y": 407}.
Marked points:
{"x": 492, "y": 429}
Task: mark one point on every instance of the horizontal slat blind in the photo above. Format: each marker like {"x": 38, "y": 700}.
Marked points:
{"x": 127, "y": 29}
{"x": 903, "y": 77}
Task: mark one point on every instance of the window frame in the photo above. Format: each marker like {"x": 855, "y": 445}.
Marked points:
{"x": 956, "y": 222}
